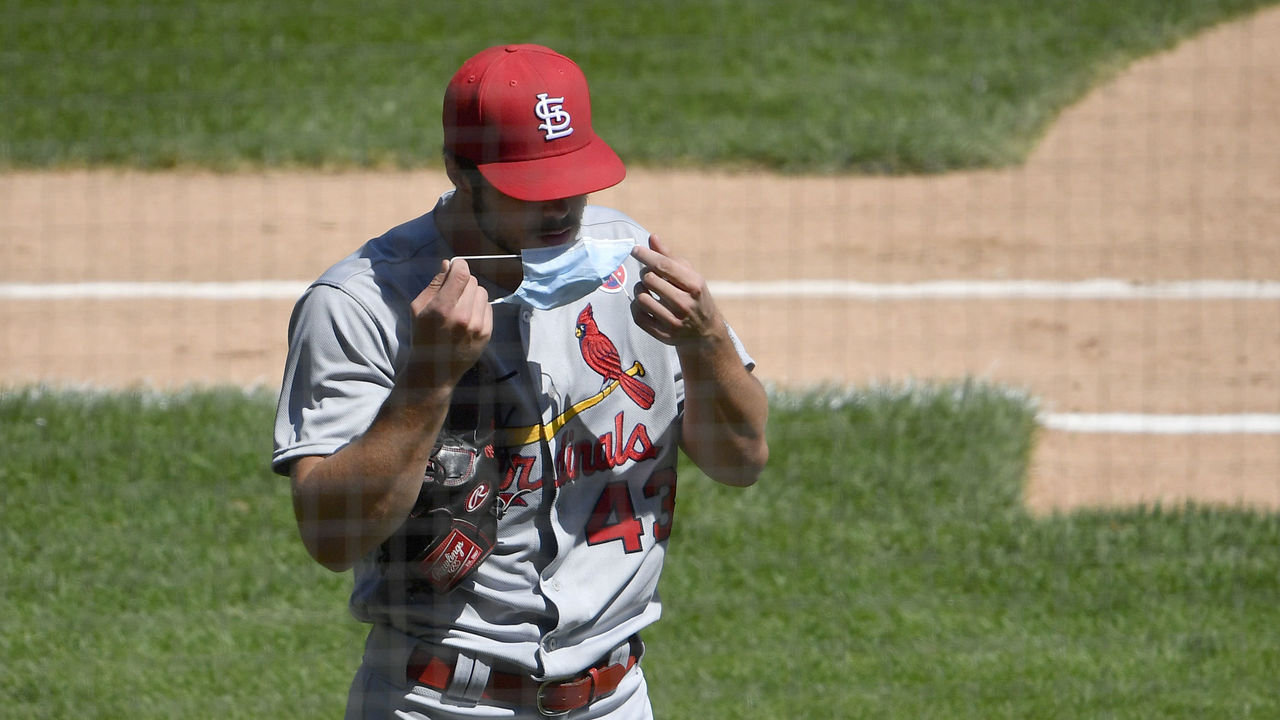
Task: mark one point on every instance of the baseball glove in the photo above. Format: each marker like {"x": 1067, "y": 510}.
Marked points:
{"x": 453, "y": 526}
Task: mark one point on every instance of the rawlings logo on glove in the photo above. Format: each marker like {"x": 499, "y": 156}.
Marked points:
{"x": 444, "y": 569}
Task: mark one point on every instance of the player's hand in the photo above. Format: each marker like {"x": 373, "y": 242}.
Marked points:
{"x": 672, "y": 302}
{"x": 452, "y": 323}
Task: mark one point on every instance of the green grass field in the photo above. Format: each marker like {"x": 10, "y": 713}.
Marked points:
{"x": 883, "y": 567}
{"x": 822, "y": 85}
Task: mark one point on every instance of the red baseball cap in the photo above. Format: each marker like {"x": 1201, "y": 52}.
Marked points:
{"x": 522, "y": 113}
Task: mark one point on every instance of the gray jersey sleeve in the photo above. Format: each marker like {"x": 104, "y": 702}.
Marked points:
{"x": 338, "y": 372}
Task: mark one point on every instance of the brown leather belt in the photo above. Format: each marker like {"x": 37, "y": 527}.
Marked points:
{"x": 550, "y": 697}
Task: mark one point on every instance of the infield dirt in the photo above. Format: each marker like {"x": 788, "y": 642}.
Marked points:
{"x": 1170, "y": 172}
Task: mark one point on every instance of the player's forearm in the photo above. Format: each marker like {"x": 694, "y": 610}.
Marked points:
{"x": 725, "y": 413}
{"x": 349, "y": 502}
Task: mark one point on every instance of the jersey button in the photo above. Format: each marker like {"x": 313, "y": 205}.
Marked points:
{"x": 525, "y": 315}
{"x": 550, "y": 644}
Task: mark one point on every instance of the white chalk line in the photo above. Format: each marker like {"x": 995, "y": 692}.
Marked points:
{"x": 1151, "y": 424}
{"x": 1097, "y": 289}
{"x": 247, "y": 290}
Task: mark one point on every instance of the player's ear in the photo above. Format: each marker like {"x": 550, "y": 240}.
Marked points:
{"x": 453, "y": 171}
{"x": 463, "y": 180}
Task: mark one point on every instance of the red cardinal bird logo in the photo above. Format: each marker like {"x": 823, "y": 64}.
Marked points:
{"x": 602, "y": 356}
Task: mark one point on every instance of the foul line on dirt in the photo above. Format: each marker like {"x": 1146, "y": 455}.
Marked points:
{"x": 250, "y": 290}
{"x": 1140, "y": 424}
{"x": 1102, "y": 289}
{"x": 1098, "y": 289}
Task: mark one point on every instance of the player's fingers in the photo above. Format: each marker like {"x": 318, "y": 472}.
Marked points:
{"x": 655, "y": 305}
{"x": 463, "y": 315}
{"x": 659, "y": 246}
{"x": 449, "y": 322}
{"x": 642, "y": 313}
{"x": 657, "y": 260}
{"x": 431, "y": 290}
{"x": 652, "y": 256}
{"x": 481, "y": 313}
{"x": 445, "y": 288}
{"x": 678, "y": 301}
{"x": 457, "y": 278}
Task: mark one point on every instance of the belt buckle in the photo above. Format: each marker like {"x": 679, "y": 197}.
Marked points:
{"x": 542, "y": 687}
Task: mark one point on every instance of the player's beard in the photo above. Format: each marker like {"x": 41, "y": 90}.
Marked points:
{"x": 488, "y": 222}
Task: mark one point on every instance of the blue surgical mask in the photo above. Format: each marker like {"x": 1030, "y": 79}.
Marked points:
{"x": 556, "y": 276}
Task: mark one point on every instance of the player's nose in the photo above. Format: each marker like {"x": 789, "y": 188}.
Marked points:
{"x": 557, "y": 209}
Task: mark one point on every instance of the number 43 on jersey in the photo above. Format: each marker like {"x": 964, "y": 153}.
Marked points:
{"x": 614, "y": 517}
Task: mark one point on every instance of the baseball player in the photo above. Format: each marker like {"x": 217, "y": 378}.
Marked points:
{"x": 482, "y": 409}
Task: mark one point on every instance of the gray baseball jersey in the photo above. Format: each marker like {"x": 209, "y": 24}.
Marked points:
{"x": 589, "y": 413}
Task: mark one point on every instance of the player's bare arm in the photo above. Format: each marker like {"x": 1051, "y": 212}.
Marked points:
{"x": 349, "y": 502}
{"x": 725, "y": 405}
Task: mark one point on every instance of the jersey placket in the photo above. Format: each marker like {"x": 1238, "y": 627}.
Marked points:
{"x": 550, "y": 587}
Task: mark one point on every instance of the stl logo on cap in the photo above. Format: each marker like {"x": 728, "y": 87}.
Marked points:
{"x": 491, "y": 114}
{"x": 555, "y": 119}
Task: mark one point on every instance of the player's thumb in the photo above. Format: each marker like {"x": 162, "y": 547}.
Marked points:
{"x": 431, "y": 290}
